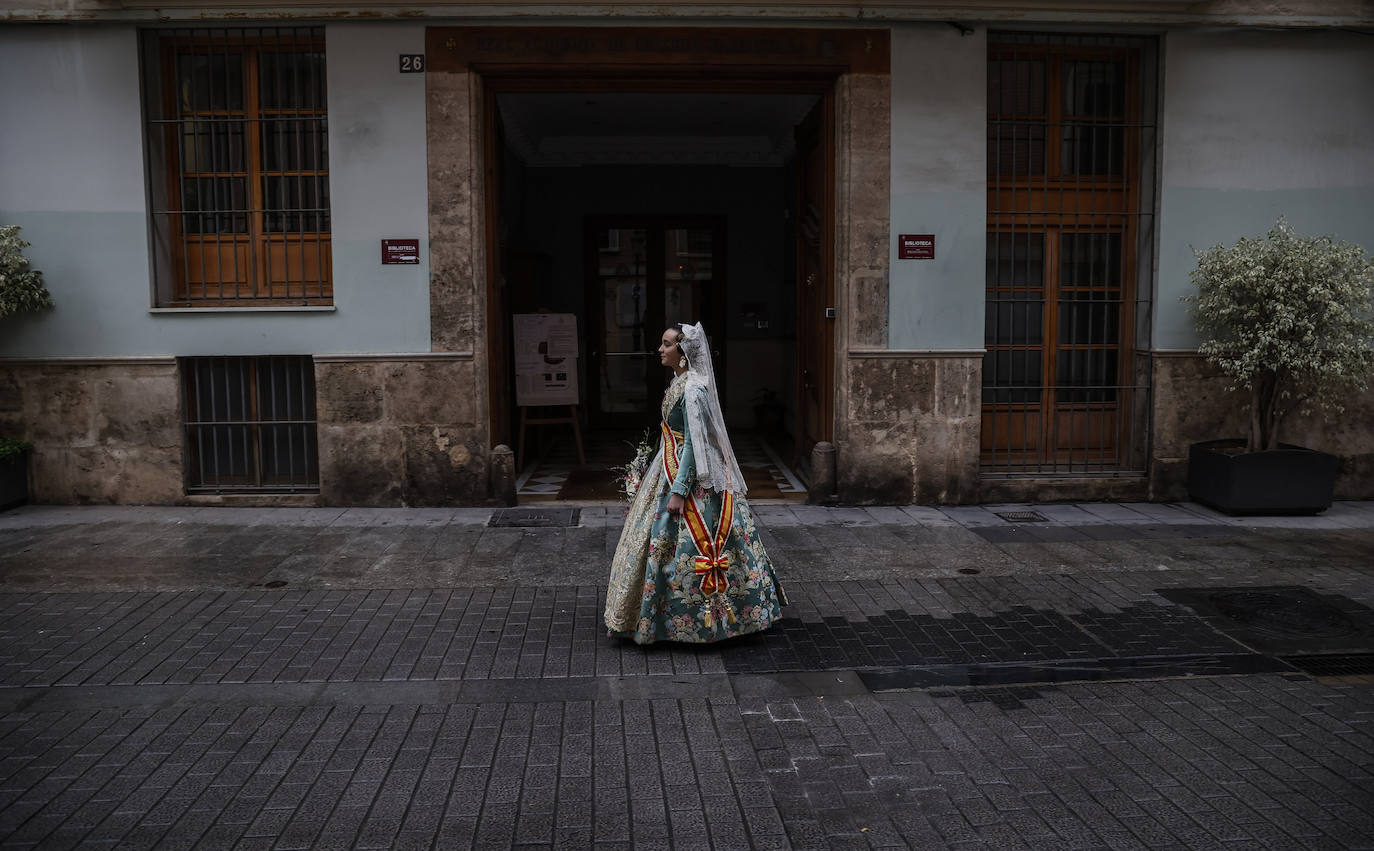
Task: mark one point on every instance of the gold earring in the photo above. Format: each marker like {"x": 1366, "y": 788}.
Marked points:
{"x": 682, "y": 363}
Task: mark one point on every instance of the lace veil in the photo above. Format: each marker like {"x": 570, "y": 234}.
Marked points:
{"x": 716, "y": 467}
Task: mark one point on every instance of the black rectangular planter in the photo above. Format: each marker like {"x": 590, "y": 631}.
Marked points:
{"x": 14, "y": 480}
{"x": 1287, "y": 480}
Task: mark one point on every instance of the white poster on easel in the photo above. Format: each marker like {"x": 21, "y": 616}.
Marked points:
{"x": 545, "y": 359}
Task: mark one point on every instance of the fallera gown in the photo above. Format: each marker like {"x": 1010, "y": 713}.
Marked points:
{"x": 698, "y": 578}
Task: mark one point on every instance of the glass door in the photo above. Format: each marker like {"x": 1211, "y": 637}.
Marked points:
{"x": 646, "y": 274}
{"x": 688, "y": 272}
{"x": 624, "y": 352}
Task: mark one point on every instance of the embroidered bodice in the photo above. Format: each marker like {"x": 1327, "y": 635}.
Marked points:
{"x": 672, "y": 397}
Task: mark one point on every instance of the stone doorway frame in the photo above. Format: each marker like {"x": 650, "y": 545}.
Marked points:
{"x": 467, "y": 66}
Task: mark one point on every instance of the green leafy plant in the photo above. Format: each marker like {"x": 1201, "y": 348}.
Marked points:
{"x": 1288, "y": 319}
{"x": 21, "y": 288}
{"x": 9, "y": 448}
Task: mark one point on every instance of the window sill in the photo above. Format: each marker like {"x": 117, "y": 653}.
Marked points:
{"x": 248, "y": 308}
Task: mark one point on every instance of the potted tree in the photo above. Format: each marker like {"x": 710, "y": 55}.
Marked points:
{"x": 21, "y": 291}
{"x": 1289, "y": 321}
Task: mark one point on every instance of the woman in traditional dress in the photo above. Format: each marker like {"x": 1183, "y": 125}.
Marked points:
{"x": 690, "y": 565}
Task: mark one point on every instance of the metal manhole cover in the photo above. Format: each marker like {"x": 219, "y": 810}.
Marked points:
{"x": 1022, "y": 516}
{"x": 1288, "y": 614}
{"x": 535, "y": 517}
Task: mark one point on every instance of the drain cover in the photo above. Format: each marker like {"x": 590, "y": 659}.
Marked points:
{"x": 1284, "y": 613}
{"x": 1282, "y": 618}
{"x": 1022, "y": 516}
{"x": 535, "y": 517}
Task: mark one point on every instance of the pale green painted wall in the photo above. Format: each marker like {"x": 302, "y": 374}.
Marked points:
{"x": 938, "y": 304}
{"x": 1200, "y": 218}
{"x": 939, "y": 186}
{"x": 1258, "y": 125}
{"x": 71, "y": 176}
{"x": 1255, "y": 124}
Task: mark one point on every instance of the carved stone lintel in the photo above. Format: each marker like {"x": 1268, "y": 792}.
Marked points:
{"x": 1184, "y": 12}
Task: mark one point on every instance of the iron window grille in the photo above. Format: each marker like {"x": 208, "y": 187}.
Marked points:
{"x": 250, "y": 424}
{"x": 1071, "y": 148}
{"x": 238, "y": 163}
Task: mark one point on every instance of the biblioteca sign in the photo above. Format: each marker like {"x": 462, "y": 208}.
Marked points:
{"x": 916, "y": 246}
{"x": 400, "y": 251}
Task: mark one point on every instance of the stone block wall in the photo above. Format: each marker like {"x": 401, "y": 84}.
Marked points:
{"x": 913, "y": 430}
{"x": 103, "y": 431}
{"x": 1192, "y": 404}
{"x": 862, "y": 188}
{"x": 395, "y": 431}
{"x": 442, "y": 451}
{"x": 400, "y": 432}
{"x": 456, "y": 233}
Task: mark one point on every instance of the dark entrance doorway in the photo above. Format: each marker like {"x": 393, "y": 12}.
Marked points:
{"x": 674, "y": 72}
{"x": 631, "y": 212}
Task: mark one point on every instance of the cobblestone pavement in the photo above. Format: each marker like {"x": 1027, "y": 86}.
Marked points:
{"x": 1109, "y": 676}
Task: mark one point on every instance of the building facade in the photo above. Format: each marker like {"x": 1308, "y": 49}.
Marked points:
{"x": 287, "y": 245}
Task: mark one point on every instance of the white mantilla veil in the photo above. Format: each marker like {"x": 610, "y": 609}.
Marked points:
{"x": 716, "y": 467}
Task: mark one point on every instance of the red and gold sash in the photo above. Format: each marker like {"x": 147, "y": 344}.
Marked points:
{"x": 712, "y": 561}
{"x": 671, "y": 439}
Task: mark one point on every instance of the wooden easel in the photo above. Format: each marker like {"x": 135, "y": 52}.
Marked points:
{"x": 571, "y": 419}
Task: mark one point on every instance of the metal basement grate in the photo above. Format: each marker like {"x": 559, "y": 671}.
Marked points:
{"x": 1334, "y": 664}
{"x": 535, "y": 517}
{"x": 1022, "y": 516}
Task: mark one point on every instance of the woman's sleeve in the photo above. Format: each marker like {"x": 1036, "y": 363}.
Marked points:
{"x": 686, "y": 464}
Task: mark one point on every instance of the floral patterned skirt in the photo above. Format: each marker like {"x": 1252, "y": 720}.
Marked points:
{"x": 663, "y": 588}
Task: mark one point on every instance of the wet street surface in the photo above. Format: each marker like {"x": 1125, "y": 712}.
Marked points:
{"x": 1103, "y": 676}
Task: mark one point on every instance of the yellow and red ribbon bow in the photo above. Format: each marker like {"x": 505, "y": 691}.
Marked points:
{"x": 713, "y": 562}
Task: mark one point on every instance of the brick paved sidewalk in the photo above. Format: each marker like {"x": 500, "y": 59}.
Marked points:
{"x": 179, "y": 548}
{"x": 1258, "y": 762}
{"x": 1111, "y": 677}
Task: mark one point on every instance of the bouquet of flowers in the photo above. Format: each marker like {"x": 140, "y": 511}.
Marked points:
{"x": 630, "y": 475}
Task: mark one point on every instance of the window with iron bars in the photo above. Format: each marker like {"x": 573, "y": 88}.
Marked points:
{"x": 250, "y": 424}
{"x": 238, "y": 164}
{"x": 1069, "y": 254}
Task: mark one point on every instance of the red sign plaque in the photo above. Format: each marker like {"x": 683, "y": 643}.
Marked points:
{"x": 916, "y": 246}
{"x": 400, "y": 251}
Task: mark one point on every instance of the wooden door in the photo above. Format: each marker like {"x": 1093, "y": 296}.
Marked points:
{"x": 815, "y": 284}
{"x": 500, "y": 354}
{"x": 1064, "y": 140}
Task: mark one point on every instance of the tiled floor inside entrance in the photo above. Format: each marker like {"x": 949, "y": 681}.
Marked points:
{"x": 553, "y": 472}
